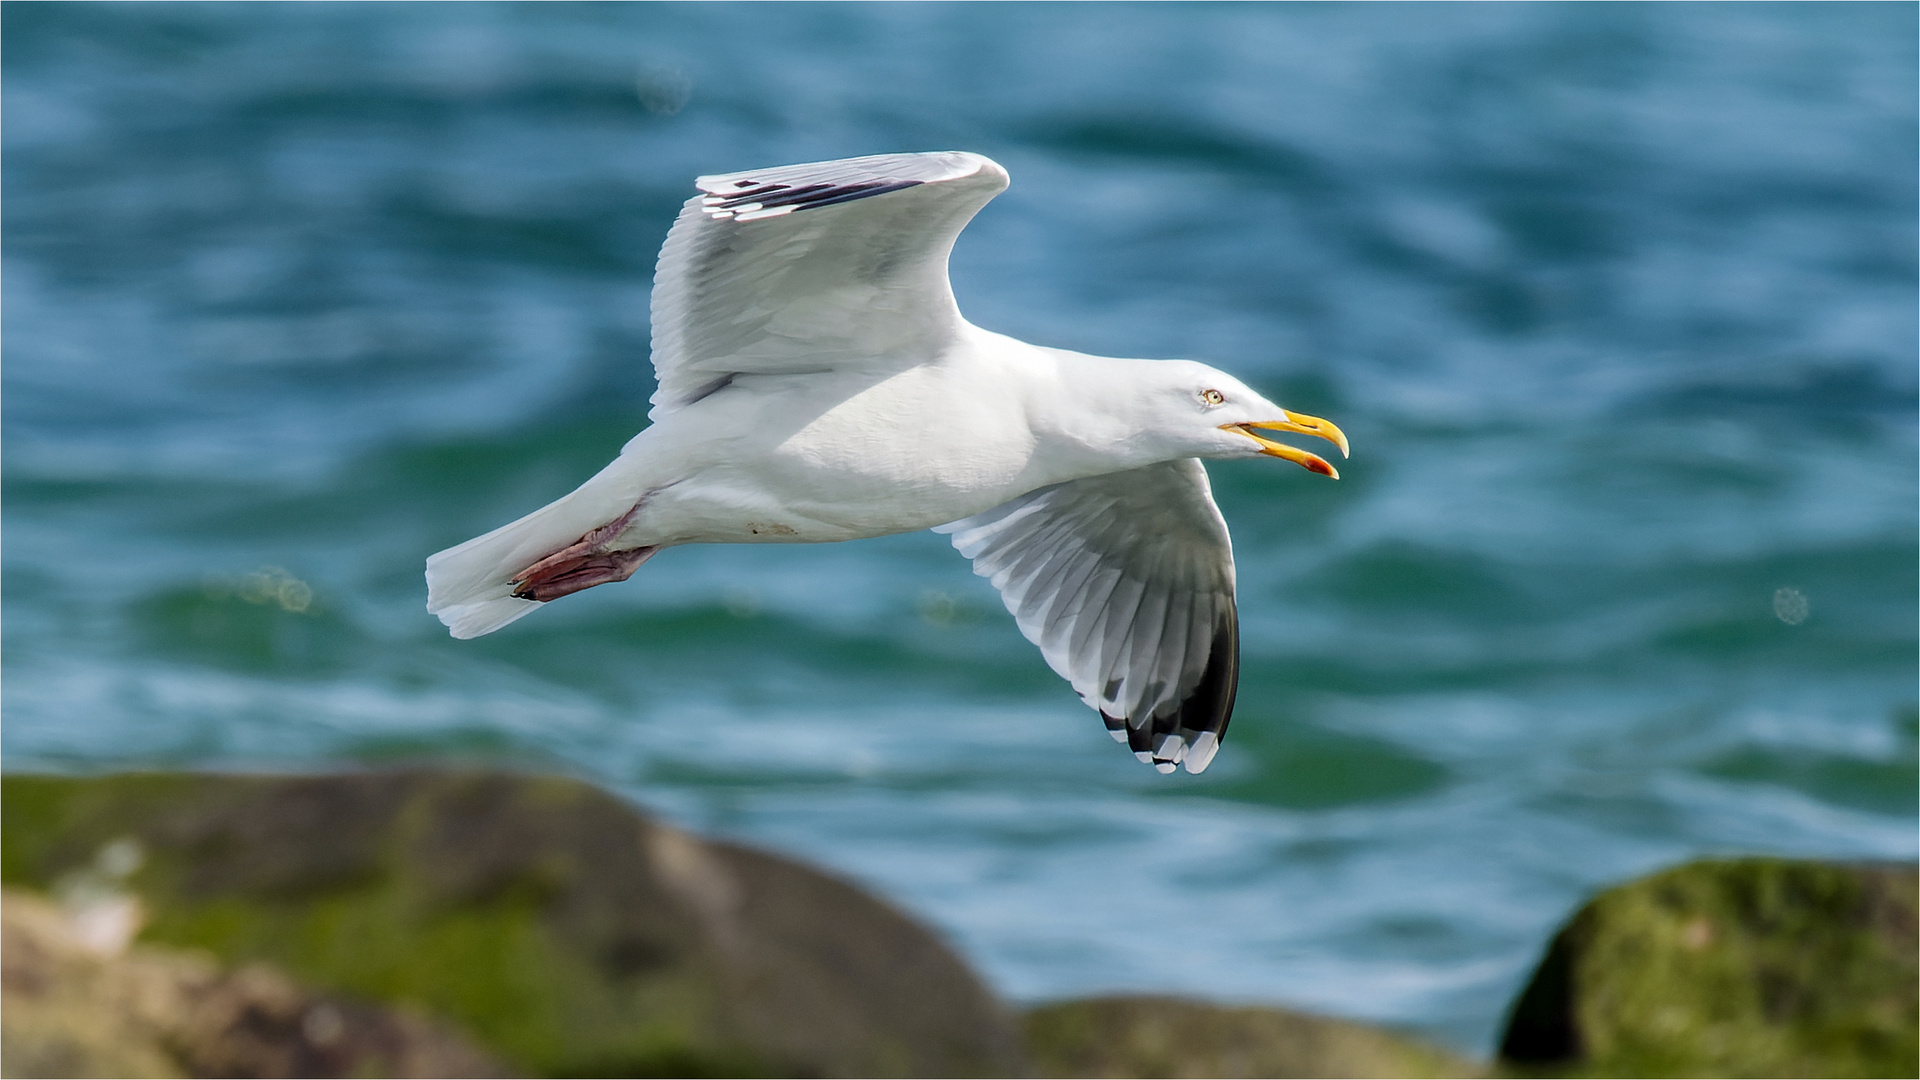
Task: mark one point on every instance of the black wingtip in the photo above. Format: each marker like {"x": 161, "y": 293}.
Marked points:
{"x": 1193, "y": 731}
{"x": 772, "y": 196}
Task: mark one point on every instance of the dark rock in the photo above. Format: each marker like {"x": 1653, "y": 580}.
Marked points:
{"x": 1748, "y": 967}
{"x": 566, "y": 931}
{"x": 73, "y": 1008}
{"x": 1157, "y": 1036}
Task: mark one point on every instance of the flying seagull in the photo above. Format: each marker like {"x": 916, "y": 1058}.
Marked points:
{"x": 818, "y": 383}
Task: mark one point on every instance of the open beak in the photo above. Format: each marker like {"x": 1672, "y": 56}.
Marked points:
{"x": 1304, "y": 425}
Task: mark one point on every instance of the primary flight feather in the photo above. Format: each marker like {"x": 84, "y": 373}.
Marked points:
{"x": 817, "y": 382}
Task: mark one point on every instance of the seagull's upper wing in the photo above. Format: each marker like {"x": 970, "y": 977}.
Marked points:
{"x": 812, "y": 268}
{"x": 1125, "y": 582}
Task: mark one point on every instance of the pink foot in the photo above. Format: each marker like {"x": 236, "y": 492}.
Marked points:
{"x": 582, "y": 565}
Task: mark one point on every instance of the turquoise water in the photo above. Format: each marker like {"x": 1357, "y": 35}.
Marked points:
{"x": 1617, "y": 304}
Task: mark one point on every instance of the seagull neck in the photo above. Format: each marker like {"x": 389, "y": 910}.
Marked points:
{"x": 1088, "y": 417}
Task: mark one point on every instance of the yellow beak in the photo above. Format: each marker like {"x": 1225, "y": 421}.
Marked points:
{"x": 1304, "y": 425}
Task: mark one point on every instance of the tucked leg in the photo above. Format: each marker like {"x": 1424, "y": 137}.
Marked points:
{"x": 583, "y": 564}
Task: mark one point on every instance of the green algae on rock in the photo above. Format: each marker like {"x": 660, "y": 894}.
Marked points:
{"x": 563, "y": 929}
{"x": 78, "y": 1005}
{"x": 1745, "y": 967}
{"x": 1162, "y": 1036}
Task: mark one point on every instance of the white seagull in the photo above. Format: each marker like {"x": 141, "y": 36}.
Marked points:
{"x": 818, "y": 383}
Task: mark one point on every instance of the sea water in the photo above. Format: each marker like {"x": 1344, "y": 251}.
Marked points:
{"x": 1617, "y": 304}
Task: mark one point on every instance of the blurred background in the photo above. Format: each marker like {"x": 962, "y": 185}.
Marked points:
{"x": 1617, "y": 303}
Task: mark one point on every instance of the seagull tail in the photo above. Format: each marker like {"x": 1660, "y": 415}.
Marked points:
{"x": 470, "y": 586}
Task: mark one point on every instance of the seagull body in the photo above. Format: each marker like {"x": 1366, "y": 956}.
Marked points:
{"x": 818, "y": 384}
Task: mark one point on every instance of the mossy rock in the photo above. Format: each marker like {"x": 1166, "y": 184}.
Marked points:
{"x": 570, "y": 934}
{"x": 74, "y": 1005}
{"x": 1748, "y": 967}
{"x": 1160, "y": 1036}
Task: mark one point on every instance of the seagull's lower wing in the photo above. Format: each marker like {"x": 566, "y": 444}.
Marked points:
{"x": 1125, "y": 582}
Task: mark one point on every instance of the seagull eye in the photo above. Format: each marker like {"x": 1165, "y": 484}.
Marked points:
{"x": 1213, "y": 397}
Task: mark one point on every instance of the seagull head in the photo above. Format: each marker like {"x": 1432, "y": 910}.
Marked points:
{"x": 1209, "y": 413}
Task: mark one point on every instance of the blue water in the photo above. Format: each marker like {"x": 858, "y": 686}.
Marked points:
{"x": 1616, "y": 302}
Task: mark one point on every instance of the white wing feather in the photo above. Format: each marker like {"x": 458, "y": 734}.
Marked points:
{"x": 820, "y": 267}
{"x": 1125, "y": 582}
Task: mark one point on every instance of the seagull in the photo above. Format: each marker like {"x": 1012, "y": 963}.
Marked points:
{"x": 818, "y": 383}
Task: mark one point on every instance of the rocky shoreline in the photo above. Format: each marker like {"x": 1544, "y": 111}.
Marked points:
{"x": 450, "y": 922}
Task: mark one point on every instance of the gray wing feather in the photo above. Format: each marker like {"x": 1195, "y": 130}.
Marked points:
{"x": 807, "y": 268}
{"x": 1125, "y": 582}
